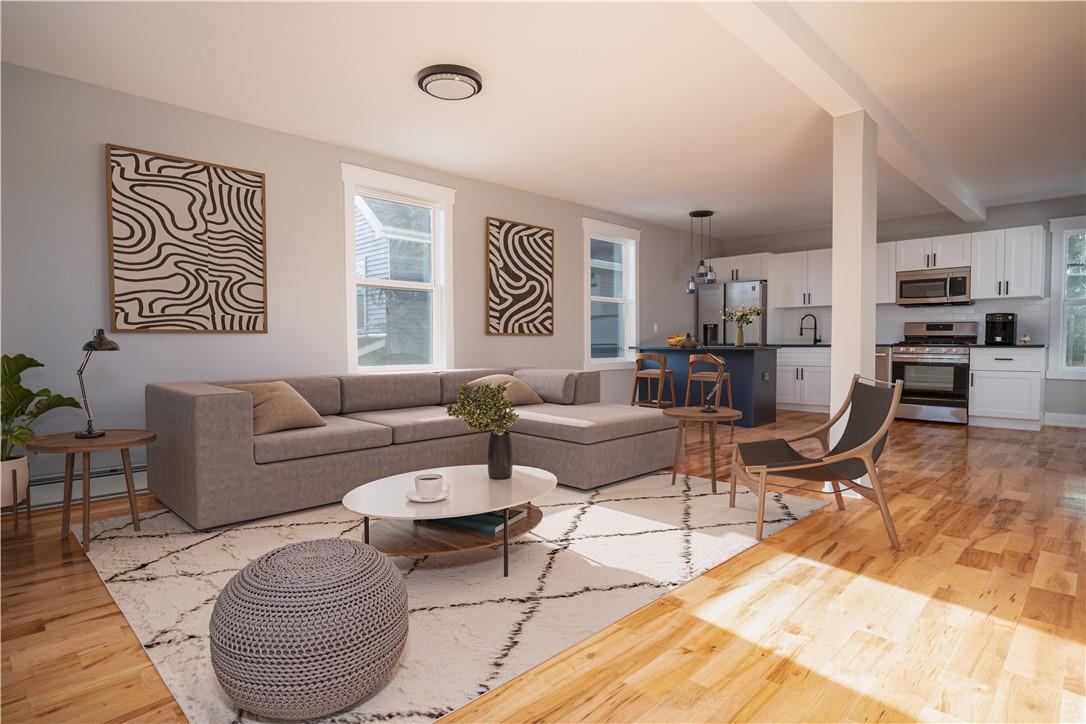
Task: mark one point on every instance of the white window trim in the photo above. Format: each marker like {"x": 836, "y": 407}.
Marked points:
{"x": 1056, "y": 368}
{"x": 378, "y": 184}
{"x": 629, "y": 239}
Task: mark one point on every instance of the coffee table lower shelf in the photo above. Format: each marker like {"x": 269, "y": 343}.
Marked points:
{"x": 420, "y": 538}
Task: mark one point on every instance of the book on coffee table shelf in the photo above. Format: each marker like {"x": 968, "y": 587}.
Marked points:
{"x": 491, "y": 524}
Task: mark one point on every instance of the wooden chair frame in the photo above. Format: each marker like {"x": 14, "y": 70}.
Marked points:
{"x": 649, "y": 374}
{"x": 756, "y": 477}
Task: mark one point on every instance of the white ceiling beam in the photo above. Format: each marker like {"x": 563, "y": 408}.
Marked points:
{"x": 777, "y": 33}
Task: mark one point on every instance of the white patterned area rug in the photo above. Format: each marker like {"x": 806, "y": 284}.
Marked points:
{"x": 596, "y": 556}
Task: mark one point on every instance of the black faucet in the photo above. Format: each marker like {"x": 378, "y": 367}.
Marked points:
{"x": 817, "y": 339}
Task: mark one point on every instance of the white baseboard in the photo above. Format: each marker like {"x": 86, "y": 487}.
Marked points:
{"x": 1065, "y": 419}
{"x": 1004, "y": 423}
{"x": 803, "y": 408}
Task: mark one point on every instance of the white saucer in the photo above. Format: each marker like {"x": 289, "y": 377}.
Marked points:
{"x": 416, "y": 498}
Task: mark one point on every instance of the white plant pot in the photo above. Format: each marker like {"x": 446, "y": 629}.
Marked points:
{"x": 21, "y": 468}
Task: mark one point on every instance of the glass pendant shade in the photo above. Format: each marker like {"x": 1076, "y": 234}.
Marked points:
{"x": 710, "y": 276}
{"x": 691, "y": 287}
{"x": 702, "y": 270}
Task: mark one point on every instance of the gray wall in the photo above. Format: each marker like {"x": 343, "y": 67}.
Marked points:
{"x": 1061, "y": 396}
{"x": 55, "y": 288}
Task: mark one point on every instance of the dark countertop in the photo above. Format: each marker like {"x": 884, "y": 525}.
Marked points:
{"x": 802, "y": 344}
{"x": 710, "y": 348}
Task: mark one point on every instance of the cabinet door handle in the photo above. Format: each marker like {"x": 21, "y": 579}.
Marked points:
{"x": 1004, "y": 359}
{"x": 927, "y": 261}
{"x": 999, "y": 289}
{"x": 801, "y": 373}
{"x": 797, "y": 373}
{"x": 1007, "y": 287}
{"x": 970, "y": 379}
{"x": 935, "y": 259}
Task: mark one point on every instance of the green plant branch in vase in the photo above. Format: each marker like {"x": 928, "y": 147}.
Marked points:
{"x": 741, "y": 316}
{"x": 487, "y": 409}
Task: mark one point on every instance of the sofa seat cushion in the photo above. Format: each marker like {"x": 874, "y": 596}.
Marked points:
{"x": 587, "y": 424}
{"x": 412, "y": 424}
{"x": 339, "y": 434}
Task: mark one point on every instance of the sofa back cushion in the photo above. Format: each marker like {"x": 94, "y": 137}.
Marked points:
{"x": 379, "y": 391}
{"x": 557, "y": 386}
{"x": 320, "y": 392}
{"x": 452, "y": 379}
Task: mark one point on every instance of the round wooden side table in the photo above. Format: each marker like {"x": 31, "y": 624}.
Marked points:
{"x": 694, "y": 416}
{"x": 70, "y": 445}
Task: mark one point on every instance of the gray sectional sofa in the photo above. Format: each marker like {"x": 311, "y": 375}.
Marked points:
{"x": 210, "y": 469}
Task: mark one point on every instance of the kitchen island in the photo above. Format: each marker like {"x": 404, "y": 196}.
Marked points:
{"x": 754, "y": 378}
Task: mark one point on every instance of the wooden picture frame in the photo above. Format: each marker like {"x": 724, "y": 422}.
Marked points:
{"x": 519, "y": 279}
{"x": 187, "y": 244}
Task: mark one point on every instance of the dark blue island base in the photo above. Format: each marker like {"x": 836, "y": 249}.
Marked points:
{"x": 754, "y": 379}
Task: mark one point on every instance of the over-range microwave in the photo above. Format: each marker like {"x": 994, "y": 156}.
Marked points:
{"x": 934, "y": 286}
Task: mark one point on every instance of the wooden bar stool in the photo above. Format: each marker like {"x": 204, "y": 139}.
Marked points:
{"x": 714, "y": 376}
{"x": 660, "y": 374}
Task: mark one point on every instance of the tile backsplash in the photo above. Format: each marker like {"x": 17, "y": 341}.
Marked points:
{"x": 783, "y": 324}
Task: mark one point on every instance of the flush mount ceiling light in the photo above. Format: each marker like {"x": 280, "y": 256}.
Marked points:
{"x": 450, "y": 82}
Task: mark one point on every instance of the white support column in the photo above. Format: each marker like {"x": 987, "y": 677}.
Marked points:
{"x": 855, "y": 164}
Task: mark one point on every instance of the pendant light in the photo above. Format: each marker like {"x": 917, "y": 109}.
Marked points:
{"x": 710, "y": 277}
{"x": 691, "y": 285}
{"x": 703, "y": 269}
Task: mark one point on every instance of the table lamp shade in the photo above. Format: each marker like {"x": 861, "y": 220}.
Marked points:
{"x": 101, "y": 343}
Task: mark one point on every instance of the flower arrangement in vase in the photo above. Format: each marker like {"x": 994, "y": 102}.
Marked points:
{"x": 742, "y": 316}
{"x": 486, "y": 408}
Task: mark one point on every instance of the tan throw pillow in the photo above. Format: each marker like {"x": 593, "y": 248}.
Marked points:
{"x": 518, "y": 391}
{"x": 278, "y": 406}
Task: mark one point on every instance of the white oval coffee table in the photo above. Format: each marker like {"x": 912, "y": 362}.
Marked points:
{"x": 471, "y": 491}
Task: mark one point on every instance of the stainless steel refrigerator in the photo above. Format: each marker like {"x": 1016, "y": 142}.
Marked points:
{"x": 713, "y": 299}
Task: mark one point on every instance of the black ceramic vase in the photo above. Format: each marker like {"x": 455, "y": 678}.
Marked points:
{"x": 499, "y": 459}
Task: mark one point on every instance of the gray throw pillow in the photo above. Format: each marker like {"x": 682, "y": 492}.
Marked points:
{"x": 277, "y": 406}
{"x": 517, "y": 391}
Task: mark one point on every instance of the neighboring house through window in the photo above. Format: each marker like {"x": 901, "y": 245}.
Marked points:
{"x": 1068, "y": 315}
{"x": 611, "y": 293}
{"x": 398, "y": 231}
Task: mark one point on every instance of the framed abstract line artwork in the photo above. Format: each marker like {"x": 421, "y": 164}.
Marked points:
{"x": 187, "y": 245}
{"x": 520, "y": 278}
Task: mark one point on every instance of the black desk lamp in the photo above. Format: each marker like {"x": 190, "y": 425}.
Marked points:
{"x": 100, "y": 343}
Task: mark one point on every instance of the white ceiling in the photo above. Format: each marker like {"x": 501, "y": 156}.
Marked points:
{"x": 648, "y": 110}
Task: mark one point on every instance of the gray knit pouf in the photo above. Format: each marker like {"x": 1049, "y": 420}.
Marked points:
{"x": 309, "y": 629}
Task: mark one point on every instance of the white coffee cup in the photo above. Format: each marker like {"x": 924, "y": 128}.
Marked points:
{"x": 429, "y": 485}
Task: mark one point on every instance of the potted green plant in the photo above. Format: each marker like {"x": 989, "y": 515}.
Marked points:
{"x": 487, "y": 409}
{"x": 742, "y": 316}
{"x": 19, "y": 408}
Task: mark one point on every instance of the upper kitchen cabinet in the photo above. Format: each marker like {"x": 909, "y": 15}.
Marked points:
{"x": 803, "y": 279}
{"x": 886, "y": 273}
{"x": 743, "y": 268}
{"x": 1008, "y": 263}
{"x": 940, "y": 252}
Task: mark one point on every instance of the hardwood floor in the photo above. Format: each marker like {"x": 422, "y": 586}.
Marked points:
{"x": 980, "y": 617}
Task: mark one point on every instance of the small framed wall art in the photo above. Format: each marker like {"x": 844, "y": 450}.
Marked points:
{"x": 520, "y": 278}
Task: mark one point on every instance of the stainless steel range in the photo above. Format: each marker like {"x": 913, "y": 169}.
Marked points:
{"x": 933, "y": 363}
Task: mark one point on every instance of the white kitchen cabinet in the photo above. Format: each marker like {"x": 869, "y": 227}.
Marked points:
{"x": 787, "y": 385}
{"x": 1024, "y": 262}
{"x": 986, "y": 267}
{"x": 940, "y": 252}
{"x": 743, "y": 267}
{"x": 790, "y": 279}
{"x": 886, "y": 273}
{"x": 913, "y": 254}
{"x": 819, "y": 278}
{"x": 803, "y": 279}
{"x": 951, "y": 251}
{"x": 1006, "y": 395}
{"x": 1008, "y": 263}
{"x": 815, "y": 385}
{"x": 1006, "y": 386}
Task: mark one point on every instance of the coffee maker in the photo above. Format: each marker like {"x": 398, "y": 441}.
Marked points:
{"x": 1000, "y": 328}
